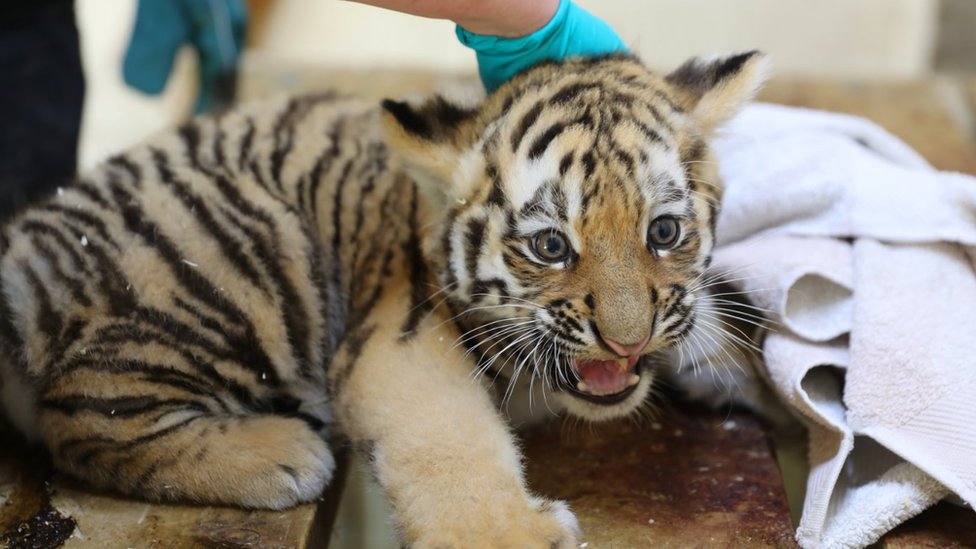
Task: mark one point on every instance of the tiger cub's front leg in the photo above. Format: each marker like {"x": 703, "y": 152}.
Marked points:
{"x": 436, "y": 441}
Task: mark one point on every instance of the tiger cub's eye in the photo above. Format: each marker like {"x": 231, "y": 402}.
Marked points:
{"x": 551, "y": 246}
{"x": 663, "y": 232}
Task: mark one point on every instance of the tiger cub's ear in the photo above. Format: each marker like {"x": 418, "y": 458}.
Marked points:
{"x": 715, "y": 89}
{"x": 429, "y": 137}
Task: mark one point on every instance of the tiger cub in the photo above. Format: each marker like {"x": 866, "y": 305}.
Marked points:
{"x": 191, "y": 320}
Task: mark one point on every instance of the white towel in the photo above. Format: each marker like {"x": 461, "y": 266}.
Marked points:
{"x": 866, "y": 258}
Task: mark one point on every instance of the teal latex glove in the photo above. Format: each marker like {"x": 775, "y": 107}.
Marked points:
{"x": 573, "y": 31}
{"x": 215, "y": 28}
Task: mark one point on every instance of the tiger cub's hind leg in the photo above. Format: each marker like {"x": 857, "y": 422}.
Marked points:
{"x": 168, "y": 445}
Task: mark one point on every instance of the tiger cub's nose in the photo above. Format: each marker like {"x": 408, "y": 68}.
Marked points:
{"x": 625, "y": 350}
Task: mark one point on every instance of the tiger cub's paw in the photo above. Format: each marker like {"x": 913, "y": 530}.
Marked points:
{"x": 558, "y": 512}
{"x": 536, "y": 524}
{"x": 274, "y": 463}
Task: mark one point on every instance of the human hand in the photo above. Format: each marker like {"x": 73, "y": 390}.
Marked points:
{"x": 215, "y": 28}
{"x": 571, "y": 32}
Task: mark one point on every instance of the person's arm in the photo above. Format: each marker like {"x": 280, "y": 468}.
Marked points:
{"x": 504, "y": 18}
{"x": 510, "y": 36}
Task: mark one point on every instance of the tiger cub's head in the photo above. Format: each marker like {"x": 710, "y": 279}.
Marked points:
{"x": 573, "y": 214}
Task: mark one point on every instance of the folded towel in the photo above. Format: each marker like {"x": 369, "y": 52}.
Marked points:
{"x": 865, "y": 258}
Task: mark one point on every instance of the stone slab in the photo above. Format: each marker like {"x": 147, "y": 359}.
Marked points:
{"x": 688, "y": 477}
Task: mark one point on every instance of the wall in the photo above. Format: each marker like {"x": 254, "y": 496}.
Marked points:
{"x": 825, "y": 37}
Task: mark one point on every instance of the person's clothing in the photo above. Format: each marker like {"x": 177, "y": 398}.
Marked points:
{"x": 41, "y": 99}
{"x": 214, "y": 28}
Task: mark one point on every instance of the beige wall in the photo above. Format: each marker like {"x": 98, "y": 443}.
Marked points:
{"x": 863, "y": 38}
{"x": 822, "y": 37}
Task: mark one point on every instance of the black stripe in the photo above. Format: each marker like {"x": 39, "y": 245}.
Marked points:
{"x": 732, "y": 65}
{"x": 496, "y": 197}
{"x": 121, "y": 407}
{"x": 74, "y": 285}
{"x": 474, "y": 238}
{"x": 8, "y": 332}
{"x": 314, "y": 180}
{"x": 190, "y": 135}
{"x": 420, "y": 302}
{"x": 255, "y": 170}
{"x": 572, "y": 92}
{"x": 542, "y": 142}
{"x": 374, "y": 165}
{"x": 569, "y": 338}
{"x": 627, "y": 160}
{"x": 85, "y": 218}
{"x": 90, "y": 192}
{"x": 178, "y": 380}
{"x": 49, "y": 322}
{"x": 133, "y": 169}
{"x": 560, "y": 202}
{"x": 354, "y": 344}
{"x": 108, "y": 444}
{"x": 300, "y": 193}
{"x": 111, "y": 281}
{"x": 69, "y": 336}
{"x": 565, "y": 321}
{"x": 362, "y": 310}
{"x": 153, "y": 373}
{"x": 220, "y": 158}
{"x": 687, "y": 324}
{"x": 336, "y": 275}
{"x": 450, "y": 276}
{"x": 668, "y": 100}
{"x": 676, "y": 308}
{"x": 433, "y": 120}
{"x": 589, "y": 164}
{"x": 44, "y": 228}
{"x": 592, "y": 191}
{"x": 244, "y": 153}
{"x": 566, "y": 163}
{"x": 202, "y": 319}
{"x": 284, "y": 130}
{"x": 658, "y": 118}
{"x": 650, "y": 133}
{"x": 524, "y": 124}
{"x": 121, "y": 161}
{"x": 323, "y": 164}
{"x": 493, "y": 286}
{"x": 314, "y": 423}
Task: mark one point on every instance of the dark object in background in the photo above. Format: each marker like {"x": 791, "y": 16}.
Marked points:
{"x": 214, "y": 28}
{"x": 41, "y": 97}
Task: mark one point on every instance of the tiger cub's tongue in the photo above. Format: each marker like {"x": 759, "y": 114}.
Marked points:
{"x": 605, "y": 377}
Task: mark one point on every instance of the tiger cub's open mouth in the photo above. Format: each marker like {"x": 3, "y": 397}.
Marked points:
{"x": 606, "y": 381}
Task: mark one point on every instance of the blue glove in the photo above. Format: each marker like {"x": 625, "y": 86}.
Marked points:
{"x": 571, "y": 32}
{"x": 215, "y": 28}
